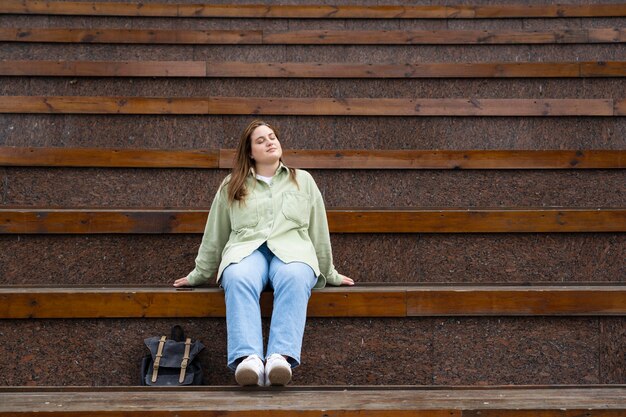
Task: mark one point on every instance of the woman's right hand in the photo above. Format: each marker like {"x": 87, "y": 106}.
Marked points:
{"x": 346, "y": 280}
{"x": 181, "y": 282}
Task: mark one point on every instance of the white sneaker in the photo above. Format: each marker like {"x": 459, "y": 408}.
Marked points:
{"x": 277, "y": 370}
{"x": 250, "y": 371}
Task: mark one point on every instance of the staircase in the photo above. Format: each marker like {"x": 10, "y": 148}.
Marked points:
{"x": 472, "y": 159}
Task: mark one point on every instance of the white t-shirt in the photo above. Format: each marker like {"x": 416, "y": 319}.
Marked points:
{"x": 268, "y": 180}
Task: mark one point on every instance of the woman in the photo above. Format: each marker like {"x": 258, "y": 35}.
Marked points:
{"x": 267, "y": 228}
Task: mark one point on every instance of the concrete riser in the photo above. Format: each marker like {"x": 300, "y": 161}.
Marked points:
{"x": 413, "y": 351}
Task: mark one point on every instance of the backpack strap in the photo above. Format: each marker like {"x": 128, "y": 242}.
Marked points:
{"x": 183, "y": 365}
{"x": 157, "y": 360}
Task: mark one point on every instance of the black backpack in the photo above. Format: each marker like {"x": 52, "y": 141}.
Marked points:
{"x": 172, "y": 361}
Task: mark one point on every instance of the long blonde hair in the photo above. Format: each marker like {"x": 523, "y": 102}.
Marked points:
{"x": 243, "y": 162}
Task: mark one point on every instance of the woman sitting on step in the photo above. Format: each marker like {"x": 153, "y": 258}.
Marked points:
{"x": 267, "y": 228}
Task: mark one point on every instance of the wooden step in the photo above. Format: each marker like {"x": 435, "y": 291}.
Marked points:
{"x": 314, "y": 37}
{"x": 312, "y": 106}
{"x": 317, "y": 159}
{"x": 344, "y": 401}
{"x": 340, "y": 220}
{"x": 360, "y": 301}
{"x": 86, "y": 8}
{"x": 311, "y": 69}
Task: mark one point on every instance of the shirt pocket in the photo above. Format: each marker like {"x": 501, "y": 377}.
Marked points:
{"x": 296, "y": 208}
{"x": 244, "y": 215}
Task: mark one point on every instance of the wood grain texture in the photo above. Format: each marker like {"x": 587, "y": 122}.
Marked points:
{"x": 477, "y": 221}
{"x": 620, "y": 107}
{"x": 603, "y": 69}
{"x": 330, "y": 401}
{"x": 314, "y": 37}
{"x": 311, "y": 69}
{"x": 108, "y": 158}
{"x": 557, "y": 10}
{"x": 445, "y": 159}
{"x": 308, "y": 11}
{"x": 101, "y": 221}
{"x": 411, "y": 107}
{"x": 311, "y": 106}
{"x": 406, "y": 70}
{"x": 317, "y": 159}
{"x": 539, "y": 220}
{"x": 104, "y": 68}
{"x": 132, "y": 36}
{"x": 445, "y": 37}
{"x": 367, "y": 301}
{"x": 519, "y": 301}
{"x": 102, "y": 105}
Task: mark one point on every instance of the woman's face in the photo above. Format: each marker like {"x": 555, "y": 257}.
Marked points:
{"x": 265, "y": 146}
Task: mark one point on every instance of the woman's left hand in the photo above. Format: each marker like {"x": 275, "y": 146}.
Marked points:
{"x": 346, "y": 280}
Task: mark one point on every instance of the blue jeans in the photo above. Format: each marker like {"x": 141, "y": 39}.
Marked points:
{"x": 243, "y": 283}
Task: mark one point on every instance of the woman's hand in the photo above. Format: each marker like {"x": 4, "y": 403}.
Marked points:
{"x": 181, "y": 282}
{"x": 346, "y": 280}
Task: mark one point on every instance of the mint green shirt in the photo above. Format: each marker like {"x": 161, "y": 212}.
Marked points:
{"x": 290, "y": 218}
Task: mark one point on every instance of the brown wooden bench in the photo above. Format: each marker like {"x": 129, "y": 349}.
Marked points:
{"x": 344, "y": 401}
{"x": 364, "y": 300}
{"x": 317, "y": 159}
{"x": 340, "y": 220}
{"x": 312, "y": 106}
{"x": 314, "y": 37}
{"x": 311, "y": 69}
{"x": 85, "y": 8}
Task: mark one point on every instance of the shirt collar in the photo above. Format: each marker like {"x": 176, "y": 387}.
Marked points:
{"x": 281, "y": 167}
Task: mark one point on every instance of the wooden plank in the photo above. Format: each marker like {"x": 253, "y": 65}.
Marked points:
{"x": 543, "y": 413}
{"x": 97, "y": 302}
{"x": 327, "y": 11}
{"x": 539, "y": 220}
{"x": 409, "y": 107}
{"x": 101, "y": 221}
{"x": 308, "y": 11}
{"x": 104, "y": 68}
{"x": 310, "y": 69}
{"x": 606, "y": 35}
{"x": 620, "y": 108}
{"x": 307, "y": 106}
{"x": 557, "y": 10}
{"x": 85, "y": 8}
{"x": 317, "y": 159}
{"x": 442, "y": 37}
{"x": 518, "y": 301}
{"x": 477, "y": 221}
{"x": 428, "y": 70}
{"x": 131, "y": 36}
{"x": 358, "y": 302}
{"x": 367, "y": 301}
{"x": 102, "y": 105}
{"x": 330, "y": 401}
{"x": 110, "y": 303}
{"x": 602, "y": 69}
{"x": 444, "y": 159}
{"x": 108, "y": 158}
{"x": 314, "y": 37}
